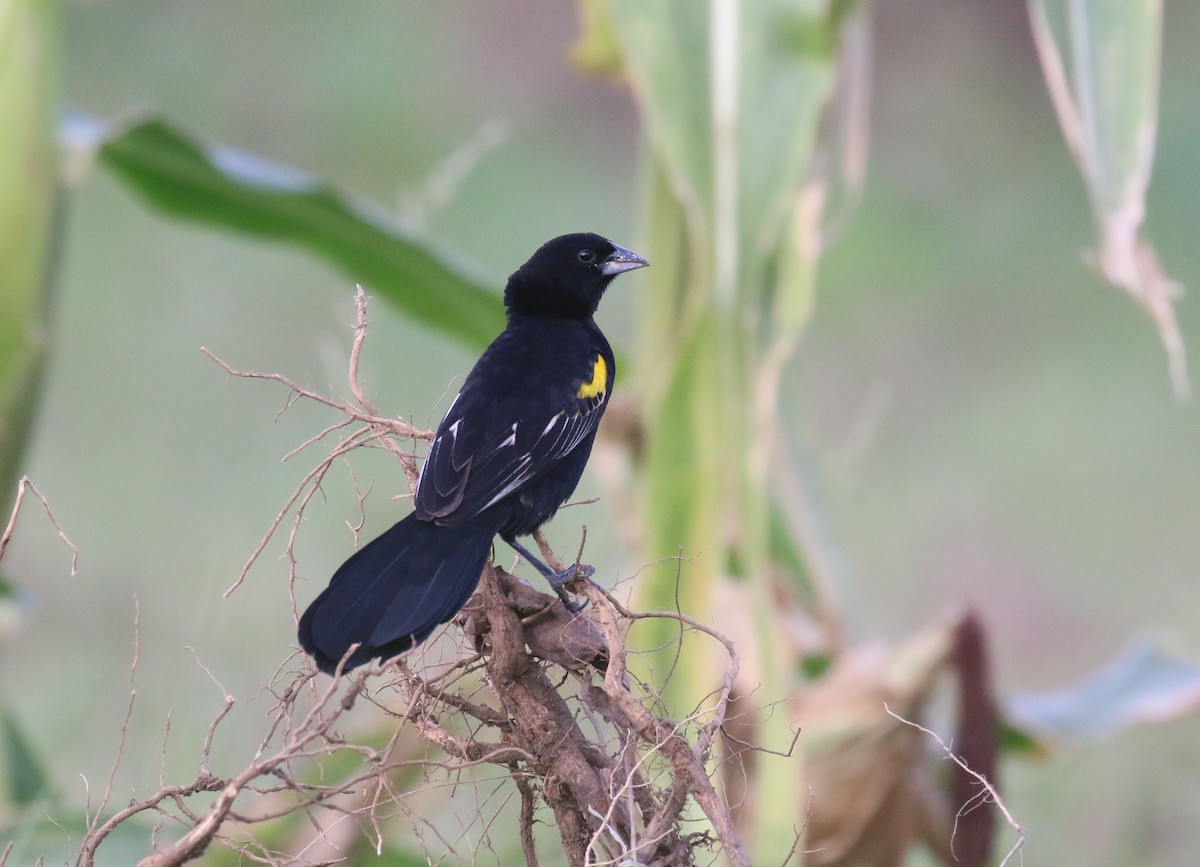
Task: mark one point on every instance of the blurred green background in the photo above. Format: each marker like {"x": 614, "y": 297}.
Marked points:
{"x": 981, "y": 422}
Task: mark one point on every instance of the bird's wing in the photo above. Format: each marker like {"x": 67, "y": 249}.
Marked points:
{"x": 492, "y": 444}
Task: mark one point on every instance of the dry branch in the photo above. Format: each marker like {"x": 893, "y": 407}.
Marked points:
{"x": 987, "y": 794}
{"x": 517, "y": 699}
{"x": 26, "y": 484}
{"x": 616, "y": 793}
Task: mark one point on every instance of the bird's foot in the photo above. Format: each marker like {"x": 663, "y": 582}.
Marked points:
{"x": 560, "y": 580}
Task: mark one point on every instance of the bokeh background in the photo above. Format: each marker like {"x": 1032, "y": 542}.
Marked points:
{"x": 980, "y": 421}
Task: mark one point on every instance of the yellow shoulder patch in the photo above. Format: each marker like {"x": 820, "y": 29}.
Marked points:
{"x": 599, "y": 382}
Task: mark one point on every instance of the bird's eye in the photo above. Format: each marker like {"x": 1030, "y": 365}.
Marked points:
{"x": 587, "y": 256}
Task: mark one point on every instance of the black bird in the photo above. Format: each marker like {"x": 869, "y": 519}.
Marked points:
{"x": 509, "y": 452}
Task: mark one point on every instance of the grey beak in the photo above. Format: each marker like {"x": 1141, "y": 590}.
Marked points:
{"x": 620, "y": 261}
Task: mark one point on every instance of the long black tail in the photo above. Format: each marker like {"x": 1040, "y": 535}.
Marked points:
{"x": 395, "y": 591}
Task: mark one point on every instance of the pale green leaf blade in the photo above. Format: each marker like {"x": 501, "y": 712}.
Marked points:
{"x": 732, "y": 95}
{"x": 1101, "y": 60}
{"x": 789, "y": 55}
{"x": 665, "y": 45}
{"x": 1115, "y": 48}
{"x": 1143, "y": 684}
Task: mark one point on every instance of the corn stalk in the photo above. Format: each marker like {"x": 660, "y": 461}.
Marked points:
{"x": 733, "y": 95}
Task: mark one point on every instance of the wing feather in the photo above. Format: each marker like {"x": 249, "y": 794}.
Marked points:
{"x": 489, "y": 446}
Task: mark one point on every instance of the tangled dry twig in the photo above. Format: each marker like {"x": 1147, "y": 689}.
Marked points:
{"x": 617, "y": 792}
{"x": 540, "y": 693}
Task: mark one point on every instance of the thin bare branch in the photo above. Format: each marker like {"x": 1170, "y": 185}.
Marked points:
{"x": 663, "y": 735}
{"x": 360, "y": 335}
{"x": 399, "y": 428}
{"x": 25, "y": 484}
{"x": 988, "y": 792}
{"x": 378, "y": 430}
{"x": 97, "y": 831}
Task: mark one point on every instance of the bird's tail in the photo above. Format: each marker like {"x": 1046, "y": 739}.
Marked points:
{"x": 395, "y": 591}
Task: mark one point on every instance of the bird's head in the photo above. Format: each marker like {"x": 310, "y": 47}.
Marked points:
{"x": 567, "y": 276}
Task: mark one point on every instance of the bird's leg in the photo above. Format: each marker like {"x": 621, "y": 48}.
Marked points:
{"x": 557, "y": 580}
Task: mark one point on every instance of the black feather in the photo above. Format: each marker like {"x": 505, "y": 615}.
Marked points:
{"x": 509, "y": 452}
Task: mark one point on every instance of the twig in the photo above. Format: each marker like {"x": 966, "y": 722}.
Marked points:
{"x": 664, "y": 736}
{"x": 360, "y": 335}
{"x": 96, "y": 831}
{"x": 206, "y": 749}
{"x": 724, "y": 690}
{"x": 315, "y": 474}
{"x": 989, "y": 791}
{"x": 378, "y": 429}
{"x": 23, "y": 484}
{"x": 528, "y": 805}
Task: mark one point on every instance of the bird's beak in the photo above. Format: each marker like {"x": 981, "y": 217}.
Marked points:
{"x": 620, "y": 261}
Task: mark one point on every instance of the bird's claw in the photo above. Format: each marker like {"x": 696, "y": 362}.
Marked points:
{"x": 561, "y": 579}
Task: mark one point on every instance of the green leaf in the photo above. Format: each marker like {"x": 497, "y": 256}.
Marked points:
{"x": 28, "y": 178}
{"x": 596, "y": 50}
{"x": 241, "y": 192}
{"x": 1143, "y": 684}
{"x": 787, "y": 555}
{"x": 25, "y": 781}
{"x": 1021, "y": 742}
